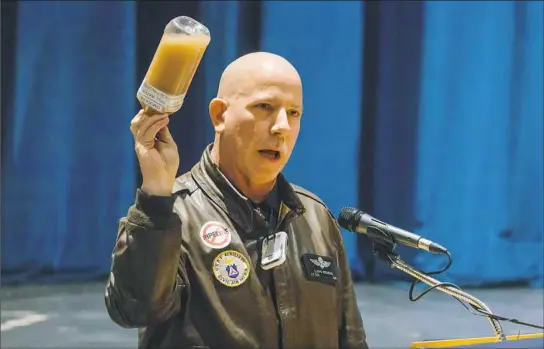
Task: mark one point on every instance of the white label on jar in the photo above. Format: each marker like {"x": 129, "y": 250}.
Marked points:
{"x": 158, "y": 100}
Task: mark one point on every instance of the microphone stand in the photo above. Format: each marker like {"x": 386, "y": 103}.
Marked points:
{"x": 383, "y": 249}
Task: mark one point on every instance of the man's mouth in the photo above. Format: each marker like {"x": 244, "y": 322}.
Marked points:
{"x": 270, "y": 154}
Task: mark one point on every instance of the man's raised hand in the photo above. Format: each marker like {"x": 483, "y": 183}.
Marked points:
{"x": 156, "y": 151}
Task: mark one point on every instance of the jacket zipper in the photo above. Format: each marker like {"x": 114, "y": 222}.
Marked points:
{"x": 286, "y": 220}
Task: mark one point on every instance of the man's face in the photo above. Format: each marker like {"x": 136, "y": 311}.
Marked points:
{"x": 262, "y": 123}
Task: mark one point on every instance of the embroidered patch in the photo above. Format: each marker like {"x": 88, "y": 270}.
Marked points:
{"x": 231, "y": 268}
{"x": 319, "y": 268}
{"x": 215, "y": 235}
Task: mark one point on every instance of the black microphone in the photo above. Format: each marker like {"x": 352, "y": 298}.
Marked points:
{"x": 357, "y": 221}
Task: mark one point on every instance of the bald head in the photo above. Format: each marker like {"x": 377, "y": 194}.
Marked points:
{"x": 256, "y": 117}
{"x": 248, "y": 72}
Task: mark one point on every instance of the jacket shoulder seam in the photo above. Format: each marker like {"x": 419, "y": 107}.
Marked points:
{"x": 338, "y": 240}
{"x": 311, "y": 197}
{"x": 301, "y": 191}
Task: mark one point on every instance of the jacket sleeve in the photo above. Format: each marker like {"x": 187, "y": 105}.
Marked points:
{"x": 351, "y": 333}
{"x": 145, "y": 281}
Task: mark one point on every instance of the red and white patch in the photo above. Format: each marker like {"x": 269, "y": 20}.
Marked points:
{"x": 215, "y": 235}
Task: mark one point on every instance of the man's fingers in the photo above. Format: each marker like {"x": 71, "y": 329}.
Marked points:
{"x": 136, "y": 122}
{"x": 148, "y": 136}
{"x": 164, "y": 135}
{"x": 150, "y": 120}
{"x": 147, "y": 129}
{"x": 144, "y": 122}
{"x": 139, "y": 120}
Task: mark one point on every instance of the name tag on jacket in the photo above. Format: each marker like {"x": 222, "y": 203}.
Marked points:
{"x": 319, "y": 268}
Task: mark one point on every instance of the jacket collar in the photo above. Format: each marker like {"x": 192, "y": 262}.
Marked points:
{"x": 224, "y": 194}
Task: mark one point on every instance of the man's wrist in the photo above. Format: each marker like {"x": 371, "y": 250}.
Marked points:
{"x": 153, "y": 190}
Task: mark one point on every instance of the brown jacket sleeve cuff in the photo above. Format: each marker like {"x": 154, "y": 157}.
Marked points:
{"x": 152, "y": 205}
{"x": 155, "y": 212}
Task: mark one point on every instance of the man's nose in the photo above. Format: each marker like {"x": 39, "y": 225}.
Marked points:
{"x": 281, "y": 123}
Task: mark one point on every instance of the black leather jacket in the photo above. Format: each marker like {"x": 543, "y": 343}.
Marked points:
{"x": 167, "y": 281}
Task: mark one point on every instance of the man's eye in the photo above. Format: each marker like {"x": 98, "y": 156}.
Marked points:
{"x": 265, "y": 106}
{"x": 294, "y": 113}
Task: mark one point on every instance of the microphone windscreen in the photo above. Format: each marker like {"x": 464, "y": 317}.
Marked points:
{"x": 347, "y": 218}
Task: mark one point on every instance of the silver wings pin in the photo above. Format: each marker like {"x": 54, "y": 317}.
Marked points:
{"x": 320, "y": 262}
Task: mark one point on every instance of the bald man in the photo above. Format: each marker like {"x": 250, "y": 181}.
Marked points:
{"x": 230, "y": 254}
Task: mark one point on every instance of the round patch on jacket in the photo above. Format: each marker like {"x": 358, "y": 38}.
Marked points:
{"x": 231, "y": 268}
{"x": 215, "y": 235}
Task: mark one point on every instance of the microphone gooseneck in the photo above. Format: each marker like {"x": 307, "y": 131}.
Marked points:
{"x": 385, "y": 237}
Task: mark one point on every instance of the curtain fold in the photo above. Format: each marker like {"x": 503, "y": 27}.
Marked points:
{"x": 67, "y": 178}
{"x": 479, "y": 183}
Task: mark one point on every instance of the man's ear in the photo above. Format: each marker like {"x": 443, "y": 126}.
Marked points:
{"x": 217, "y": 109}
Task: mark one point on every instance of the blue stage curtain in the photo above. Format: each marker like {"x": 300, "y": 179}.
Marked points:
{"x": 324, "y": 42}
{"x": 479, "y": 186}
{"x": 391, "y": 112}
{"x": 68, "y": 164}
{"x": 223, "y": 20}
{"x": 456, "y": 124}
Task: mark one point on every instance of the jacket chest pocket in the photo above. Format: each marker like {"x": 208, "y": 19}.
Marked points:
{"x": 316, "y": 305}
{"x": 320, "y": 296}
{"x": 319, "y": 276}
